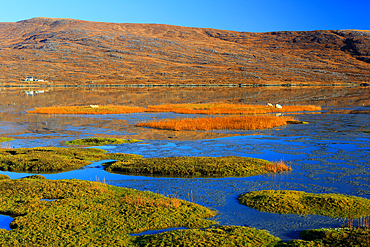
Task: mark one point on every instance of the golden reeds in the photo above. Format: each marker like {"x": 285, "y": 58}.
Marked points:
{"x": 219, "y": 123}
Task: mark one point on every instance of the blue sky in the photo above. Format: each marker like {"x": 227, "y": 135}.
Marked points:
{"x": 237, "y": 15}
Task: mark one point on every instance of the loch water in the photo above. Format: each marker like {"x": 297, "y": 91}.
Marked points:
{"x": 328, "y": 155}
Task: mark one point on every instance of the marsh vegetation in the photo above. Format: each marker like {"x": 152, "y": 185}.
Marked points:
{"x": 97, "y": 141}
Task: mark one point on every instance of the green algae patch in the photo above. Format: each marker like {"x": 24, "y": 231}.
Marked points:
{"x": 96, "y": 141}
{"x": 5, "y": 139}
{"x": 302, "y": 203}
{"x": 214, "y": 236}
{"x": 198, "y": 166}
{"x": 86, "y": 213}
{"x": 52, "y": 159}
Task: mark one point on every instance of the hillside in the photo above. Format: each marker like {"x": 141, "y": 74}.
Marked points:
{"x": 72, "y": 51}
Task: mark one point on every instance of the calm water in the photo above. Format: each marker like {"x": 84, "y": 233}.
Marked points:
{"x": 331, "y": 155}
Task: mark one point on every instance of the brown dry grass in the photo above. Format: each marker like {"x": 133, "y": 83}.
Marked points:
{"x": 219, "y": 123}
{"x": 137, "y": 200}
{"x": 278, "y": 166}
{"x": 214, "y": 108}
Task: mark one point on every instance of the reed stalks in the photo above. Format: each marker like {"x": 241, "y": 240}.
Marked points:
{"x": 219, "y": 123}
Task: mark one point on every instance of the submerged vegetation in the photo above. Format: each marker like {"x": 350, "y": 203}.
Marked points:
{"x": 198, "y": 166}
{"x": 88, "y": 213}
{"x": 214, "y": 108}
{"x": 48, "y": 159}
{"x": 96, "y": 141}
{"x": 298, "y": 202}
{"x": 219, "y": 123}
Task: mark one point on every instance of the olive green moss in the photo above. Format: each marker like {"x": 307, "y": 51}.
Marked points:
{"x": 96, "y": 141}
{"x": 215, "y": 236}
{"x": 4, "y": 177}
{"x": 87, "y": 213}
{"x": 298, "y": 202}
{"x": 338, "y": 237}
{"x": 50, "y": 159}
{"x": 193, "y": 166}
{"x": 5, "y": 139}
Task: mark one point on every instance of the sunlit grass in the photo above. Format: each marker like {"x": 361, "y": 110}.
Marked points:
{"x": 107, "y": 109}
{"x": 219, "y": 123}
{"x": 302, "y": 203}
{"x": 53, "y": 159}
{"x": 97, "y": 141}
{"x": 214, "y": 108}
{"x": 86, "y": 213}
{"x": 199, "y": 166}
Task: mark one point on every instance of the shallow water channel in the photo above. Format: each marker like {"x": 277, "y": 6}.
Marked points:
{"x": 329, "y": 155}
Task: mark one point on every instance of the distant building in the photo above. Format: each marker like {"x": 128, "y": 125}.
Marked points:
{"x": 30, "y": 78}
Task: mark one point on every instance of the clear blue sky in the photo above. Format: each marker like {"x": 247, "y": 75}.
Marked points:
{"x": 237, "y": 15}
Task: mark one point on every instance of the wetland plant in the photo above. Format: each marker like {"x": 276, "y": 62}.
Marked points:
{"x": 96, "y": 141}
{"x": 231, "y": 166}
{"x": 88, "y": 213}
{"x": 53, "y": 159}
{"x": 302, "y": 203}
{"x": 219, "y": 123}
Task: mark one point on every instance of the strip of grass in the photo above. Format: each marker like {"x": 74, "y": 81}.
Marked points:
{"x": 215, "y": 236}
{"x": 51, "y": 159}
{"x": 88, "y": 213}
{"x": 298, "y": 202}
{"x": 108, "y": 109}
{"x": 219, "y": 123}
{"x": 5, "y": 139}
{"x": 198, "y": 166}
{"x": 214, "y": 108}
{"x": 96, "y": 141}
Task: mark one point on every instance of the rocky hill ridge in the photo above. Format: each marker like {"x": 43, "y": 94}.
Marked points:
{"x": 72, "y": 51}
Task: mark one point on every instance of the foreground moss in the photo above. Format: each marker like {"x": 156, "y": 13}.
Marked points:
{"x": 88, "y": 213}
{"x": 198, "y": 166}
{"x": 215, "y": 236}
{"x": 96, "y": 141}
{"x": 298, "y": 202}
{"x": 338, "y": 237}
{"x": 51, "y": 159}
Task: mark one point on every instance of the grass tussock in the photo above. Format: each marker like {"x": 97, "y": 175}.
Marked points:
{"x": 82, "y": 214}
{"x": 298, "y": 202}
{"x": 199, "y": 166}
{"x": 215, "y": 108}
{"x": 107, "y": 109}
{"x": 96, "y": 141}
{"x": 218, "y": 123}
{"x": 215, "y": 236}
{"x": 223, "y": 108}
{"x": 50, "y": 159}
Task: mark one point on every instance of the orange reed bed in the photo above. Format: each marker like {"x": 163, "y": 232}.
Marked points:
{"x": 219, "y": 123}
{"x": 216, "y": 108}
{"x": 108, "y": 109}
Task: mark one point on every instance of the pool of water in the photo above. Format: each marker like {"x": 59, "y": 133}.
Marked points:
{"x": 328, "y": 155}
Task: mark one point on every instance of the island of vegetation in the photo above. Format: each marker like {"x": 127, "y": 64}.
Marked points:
{"x": 97, "y": 141}
{"x": 214, "y": 108}
{"x": 53, "y": 159}
{"x": 231, "y": 166}
{"x": 302, "y": 203}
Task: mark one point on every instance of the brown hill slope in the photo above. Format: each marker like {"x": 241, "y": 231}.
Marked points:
{"x": 74, "y": 51}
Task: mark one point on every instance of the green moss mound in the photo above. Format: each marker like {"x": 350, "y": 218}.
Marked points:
{"x": 100, "y": 141}
{"x": 51, "y": 159}
{"x": 215, "y": 236}
{"x": 88, "y": 213}
{"x": 298, "y": 202}
{"x": 4, "y": 177}
{"x": 5, "y": 139}
{"x": 338, "y": 237}
{"x": 194, "y": 166}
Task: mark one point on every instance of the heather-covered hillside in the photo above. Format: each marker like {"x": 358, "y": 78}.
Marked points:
{"x": 79, "y": 52}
